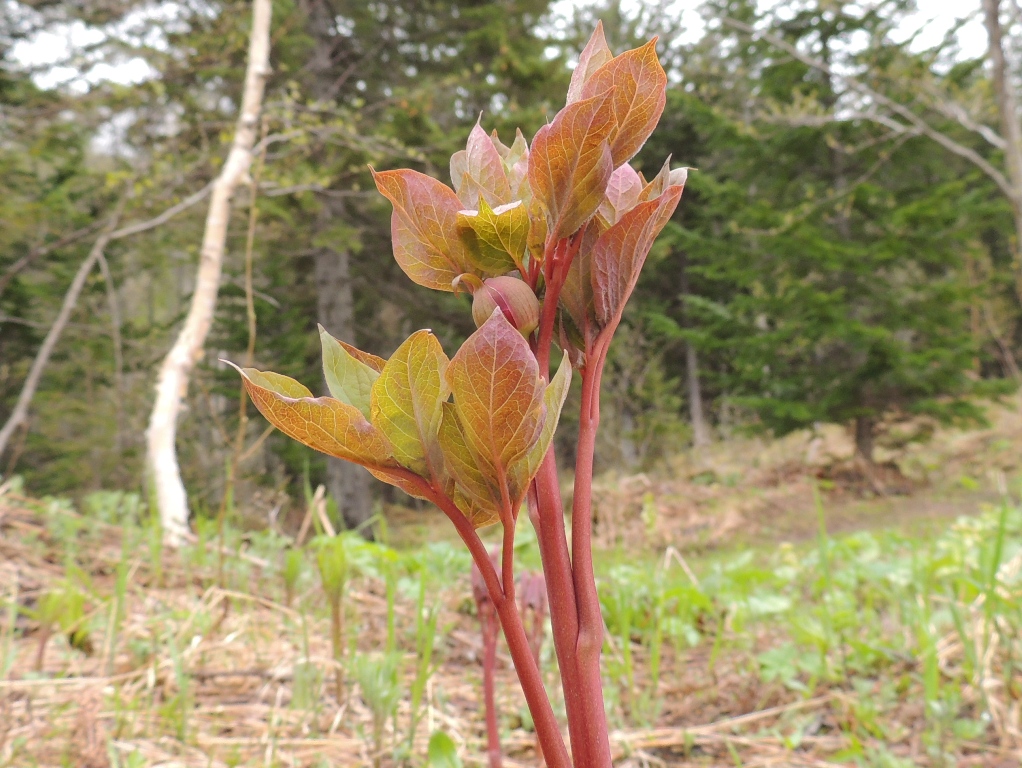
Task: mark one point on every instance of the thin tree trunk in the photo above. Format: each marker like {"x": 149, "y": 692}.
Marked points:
{"x": 864, "y": 438}
{"x": 1012, "y": 131}
{"x": 347, "y": 483}
{"x": 700, "y": 430}
{"x": 172, "y": 383}
{"x": 115, "y": 335}
{"x": 20, "y": 412}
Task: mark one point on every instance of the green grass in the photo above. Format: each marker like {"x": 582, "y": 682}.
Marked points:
{"x": 885, "y": 618}
{"x": 910, "y": 638}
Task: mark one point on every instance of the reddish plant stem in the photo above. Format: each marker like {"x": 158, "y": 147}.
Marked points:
{"x": 489, "y": 688}
{"x": 550, "y": 299}
{"x": 507, "y": 560}
{"x": 553, "y": 550}
{"x": 536, "y": 697}
{"x": 553, "y": 543}
{"x": 590, "y": 616}
{"x": 490, "y": 628}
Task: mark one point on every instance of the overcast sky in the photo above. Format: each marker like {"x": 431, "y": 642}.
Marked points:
{"x": 47, "y": 50}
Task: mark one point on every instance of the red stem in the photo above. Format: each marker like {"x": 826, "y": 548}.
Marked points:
{"x": 550, "y": 299}
{"x": 553, "y": 542}
{"x": 536, "y": 697}
{"x": 553, "y": 550}
{"x": 590, "y": 616}
{"x": 489, "y": 624}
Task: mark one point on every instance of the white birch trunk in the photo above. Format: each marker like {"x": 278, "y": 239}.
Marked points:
{"x": 172, "y": 382}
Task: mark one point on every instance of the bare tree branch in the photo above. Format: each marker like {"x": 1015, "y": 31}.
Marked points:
{"x": 957, "y": 113}
{"x": 167, "y": 215}
{"x": 921, "y": 126}
{"x": 42, "y": 250}
{"x": 20, "y": 412}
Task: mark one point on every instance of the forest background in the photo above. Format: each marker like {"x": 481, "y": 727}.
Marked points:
{"x": 847, "y": 250}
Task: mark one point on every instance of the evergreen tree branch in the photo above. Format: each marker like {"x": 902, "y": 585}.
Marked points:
{"x": 914, "y": 121}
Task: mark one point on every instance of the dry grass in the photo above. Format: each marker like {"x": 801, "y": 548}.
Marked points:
{"x": 201, "y": 674}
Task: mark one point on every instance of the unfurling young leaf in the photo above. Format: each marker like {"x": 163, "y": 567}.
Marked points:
{"x": 665, "y": 178}
{"x": 496, "y": 238}
{"x": 623, "y": 192}
{"x": 424, "y": 228}
{"x": 478, "y": 173}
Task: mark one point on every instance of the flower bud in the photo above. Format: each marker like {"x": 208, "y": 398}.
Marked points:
{"x": 516, "y": 301}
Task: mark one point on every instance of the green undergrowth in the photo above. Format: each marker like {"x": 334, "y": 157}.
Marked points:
{"x": 885, "y": 620}
{"x": 910, "y": 635}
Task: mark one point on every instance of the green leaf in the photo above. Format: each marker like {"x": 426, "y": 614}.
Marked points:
{"x": 349, "y": 379}
{"x": 498, "y": 395}
{"x": 407, "y": 402}
{"x": 571, "y": 163}
{"x": 620, "y": 252}
{"x": 637, "y": 87}
{"x": 442, "y": 752}
{"x": 424, "y": 228}
{"x": 497, "y": 239}
{"x": 322, "y": 423}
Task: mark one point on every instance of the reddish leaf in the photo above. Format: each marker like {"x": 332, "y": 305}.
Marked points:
{"x": 570, "y": 164}
{"x": 412, "y": 486}
{"x": 373, "y": 361}
{"x": 620, "y": 252}
{"x": 478, "y": 170}
{"x": 637, "y": 86}
{"x": 593, "y": 56}
{"x": 577, "y": 292}
{"x": 498, "y": 396}
{"x": 424, "y": 228}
